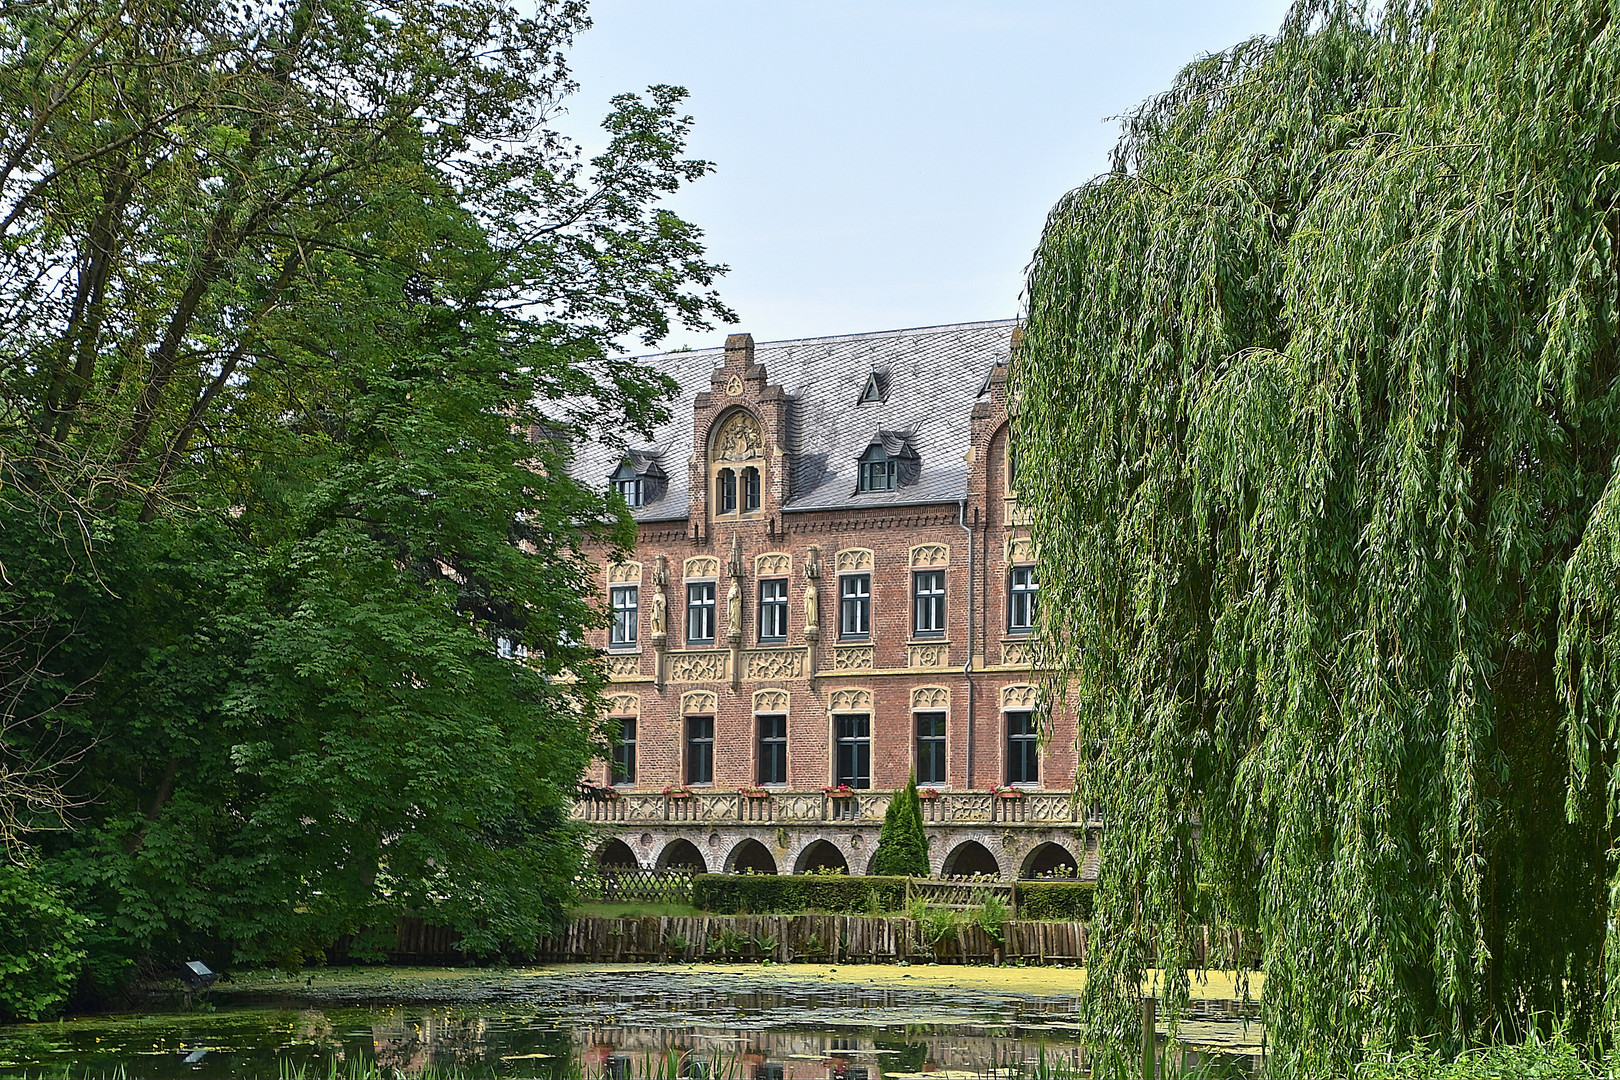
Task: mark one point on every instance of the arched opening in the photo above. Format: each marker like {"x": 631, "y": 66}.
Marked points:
{"x": 970, "y": 859}
{"x": 820, "y": 855}
{"x": 1050, "y": 861}
{"x": 682, "y": 855}
{"x": 750, "y": 857}
{"x": 615, "y": 855}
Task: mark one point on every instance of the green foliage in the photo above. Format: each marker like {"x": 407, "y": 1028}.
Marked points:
{"x": 1536, "y": 1056}
{"x": 902, "y": 844}
{"x": 991, "y": 916}
{"x": 41, "y": 941}
{"x": 1318, "y": 425}
{"x": 1056, "y": 901}
{"x": 935, "y": 922}
{"x": 761, "y": 894}
{"x": 291, "y": 369}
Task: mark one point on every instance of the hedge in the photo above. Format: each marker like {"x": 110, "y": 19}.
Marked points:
{"x": 1055, "y": 901}
{"x": 768, "y": 894}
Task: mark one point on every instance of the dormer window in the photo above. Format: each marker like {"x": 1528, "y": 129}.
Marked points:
{"x": 639, "y": 479}
{"x": 630, "y": 486}
{"x": 879, "y": 471}
{"x": 876, "y": 390}
{"x": 889, "y": 463}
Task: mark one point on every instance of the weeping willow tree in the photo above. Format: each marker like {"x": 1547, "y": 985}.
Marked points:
{"x": 1319, "y": 420}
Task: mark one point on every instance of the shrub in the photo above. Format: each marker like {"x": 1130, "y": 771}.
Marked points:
{"x": 1055, "y": 901}
{"x": 727, "y": 894}
{"x": 991, "y": 916}
{"x": 40, "y": 946}
{"x": 902, "y": 845}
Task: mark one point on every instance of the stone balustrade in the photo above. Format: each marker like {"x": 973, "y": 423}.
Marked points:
{"x": 704, "y": 807}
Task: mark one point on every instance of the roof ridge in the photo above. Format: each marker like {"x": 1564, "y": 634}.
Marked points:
{"x": 938, "y": 328}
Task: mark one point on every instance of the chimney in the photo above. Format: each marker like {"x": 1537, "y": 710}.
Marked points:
{"x": 740, "y": 350}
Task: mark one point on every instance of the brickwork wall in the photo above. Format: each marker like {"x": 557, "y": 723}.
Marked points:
{"x": 823, "y": 676}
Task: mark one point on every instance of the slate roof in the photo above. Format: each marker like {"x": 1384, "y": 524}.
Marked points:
{"x": 935, "y": 374}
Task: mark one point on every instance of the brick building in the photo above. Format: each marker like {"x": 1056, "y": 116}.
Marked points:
{"x": 833, "y": 585}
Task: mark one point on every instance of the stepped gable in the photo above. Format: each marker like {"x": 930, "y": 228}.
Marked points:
{"x": 930, "y": 379}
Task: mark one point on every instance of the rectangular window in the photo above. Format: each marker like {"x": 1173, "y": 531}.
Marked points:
{"x": 855, "y": 606}
{"x": 772, "y": 749}
{"x": 1023, "y": 749}
{"x": 928, "y": 602}
{"x": 700, "y": 749}
{"x": 877, "y": 475}
{"x": 625, "y": 601}
{"x": 631, "y": 490}
{"x": 1021, "y": 590}
{"x": 930, "y": 748}
{"x": 773, "y": 609}
{"x": 854, "y": 749}
{"x": 624, "y": 753}
{"x": 700, "y": 612}
{"x": 750, "y": 488}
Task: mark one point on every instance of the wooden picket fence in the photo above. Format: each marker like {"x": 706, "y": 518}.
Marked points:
{"x": 807, "y": 939}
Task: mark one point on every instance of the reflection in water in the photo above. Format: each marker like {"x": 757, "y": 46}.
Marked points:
{"x": 609, "y": 1024}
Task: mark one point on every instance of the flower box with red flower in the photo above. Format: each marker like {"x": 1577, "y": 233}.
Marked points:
{"x": 838, "y": 791}
{"x": 927, "y": 793}
{"x": 677, "y": 793}
{"x": 753, "y": 793}
{"x": 1008, "y": 793}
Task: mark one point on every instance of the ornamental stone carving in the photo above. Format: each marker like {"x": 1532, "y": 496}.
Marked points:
{"x": 697, "y": 667}
{"x": 774, "y": 664}
{"x": 1017, "y": 653}
{"x": 624, "y": 667}
{"x": 624, "y": 705}
{"x": 926, "y": 555}
{"x": 1020, "y": 549}
{"x": 853, "y": 559}
{"x": 659, "y": 614}
{"x": 624, "y": 573}
{"x": 935, "y": 654}
{"x": 738, "y": 439}
{"x": 849, "y": 699}
{"x": 1021, "y": 696}
{"x": 770, "y": 701}
{"x": 930, "y": 697}
{"x": 773, "y": 564}
{"x": 853, "y": 658}
{"x": 734, "y": 386}
{"x": 701, "y": 566}
{"x": 698, "y": 703}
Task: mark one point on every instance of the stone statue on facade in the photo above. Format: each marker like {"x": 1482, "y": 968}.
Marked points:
{"x": 658, "y": 613}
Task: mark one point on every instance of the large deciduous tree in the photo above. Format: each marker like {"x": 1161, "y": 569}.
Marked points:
{"x": 1318, "y": 417}
{"x": 301, "y": 306}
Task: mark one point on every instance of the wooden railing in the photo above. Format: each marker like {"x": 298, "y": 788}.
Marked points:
{"x": 611, "y": 806}
{"x": 612, "y": 884}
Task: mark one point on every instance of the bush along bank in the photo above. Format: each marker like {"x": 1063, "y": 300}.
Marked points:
{"x": 763, "y": 894}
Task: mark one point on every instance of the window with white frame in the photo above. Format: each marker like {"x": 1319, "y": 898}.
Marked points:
{"x": 773, "y": 609}
{"x": 700, "y": 612}
{"x": 928, "y": 602}
{"x": 1023, "y": 749}
{"x": 855, "y": 606}
{"x": 625, "y": 601}
{"x": 1022, "y": 588}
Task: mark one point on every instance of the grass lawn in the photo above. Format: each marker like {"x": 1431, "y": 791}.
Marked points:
{"x": 628, "y": 909}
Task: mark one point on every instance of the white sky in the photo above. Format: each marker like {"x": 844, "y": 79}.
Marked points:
{"x": 889, "y": 164}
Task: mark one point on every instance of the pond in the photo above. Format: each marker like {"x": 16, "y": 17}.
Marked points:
{"x": 742, "y": 1022}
